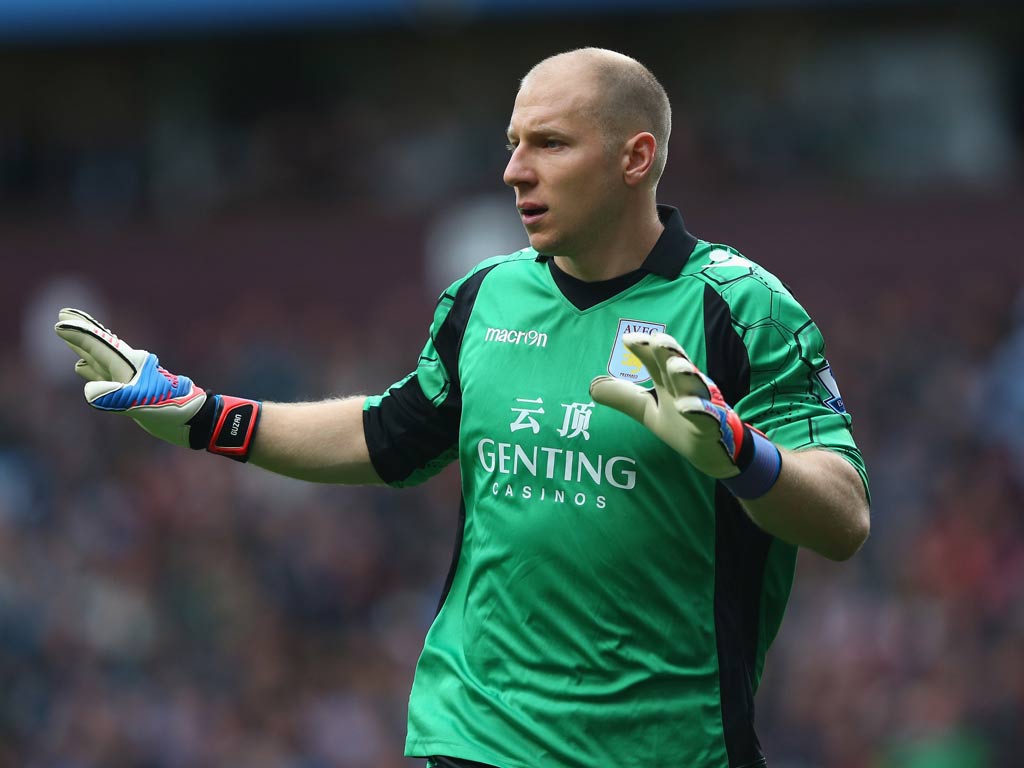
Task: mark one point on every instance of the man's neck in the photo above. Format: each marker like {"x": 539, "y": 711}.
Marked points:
{"x": 618, "y": 256}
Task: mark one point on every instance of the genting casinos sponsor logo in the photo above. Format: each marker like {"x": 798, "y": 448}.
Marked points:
{"x": 556, "y": 474}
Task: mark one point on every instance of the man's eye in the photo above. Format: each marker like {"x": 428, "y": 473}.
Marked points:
{"x": 553, "y": 144}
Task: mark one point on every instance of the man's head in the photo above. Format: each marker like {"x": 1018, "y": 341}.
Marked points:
{"x": 589, "y": 139}
{"x": 629, "y": 98}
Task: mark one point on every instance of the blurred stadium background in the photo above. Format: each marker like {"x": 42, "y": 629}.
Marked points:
{"x": 270, "y": 194}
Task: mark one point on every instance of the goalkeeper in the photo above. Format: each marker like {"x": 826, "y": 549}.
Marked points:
{"x": 647, "y": 429}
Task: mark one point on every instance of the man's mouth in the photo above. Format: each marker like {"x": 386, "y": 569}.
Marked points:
{"x": 531, "y": 213}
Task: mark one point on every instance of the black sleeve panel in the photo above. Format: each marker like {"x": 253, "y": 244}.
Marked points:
{"x": 728, "y": 364}
{"x": 406, "y": 431}
{"x": 448, "y": 341}
{"x": 741, "y": 550}
{"x": 409, "y": 431}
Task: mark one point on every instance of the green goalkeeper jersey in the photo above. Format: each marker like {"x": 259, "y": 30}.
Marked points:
{"x": 607, "y": 604}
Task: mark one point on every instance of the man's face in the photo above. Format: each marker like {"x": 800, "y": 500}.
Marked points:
{"x": 568, "y": 183}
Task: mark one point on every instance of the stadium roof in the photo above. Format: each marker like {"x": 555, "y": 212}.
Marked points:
{"x": 29, "y": 20}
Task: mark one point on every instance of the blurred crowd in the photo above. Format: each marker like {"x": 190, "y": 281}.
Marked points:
{"x": 104, "y": 133}
{"x": 161, "y": 608}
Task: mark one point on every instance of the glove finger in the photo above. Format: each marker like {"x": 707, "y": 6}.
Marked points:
{"x": 101, "y": 349}
{"x": 685, "y": 379}
{"x": 655, "y": 351}
{"x": 87, "y": 372}
{"x": 76, "y": 342}
{"x": 713, "y": 423}
{"x": 87, "y": 361}
{"x": 640, "y": 345}
{"x": 704, "y": 415}
{"x": 667, "y": 349}
{"x": 69, "y": 319}
{"x": 69, "y": 314}
{"x": 625, "y": 396}
{"x": 668, "y": 343}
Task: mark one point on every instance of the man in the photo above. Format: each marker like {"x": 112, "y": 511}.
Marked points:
{"x": 628, "y": 538}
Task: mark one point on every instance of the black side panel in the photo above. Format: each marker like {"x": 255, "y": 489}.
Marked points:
{"x": 407, "y": 430}
{"x": 448, "y": 344}
{"x": 728, "y": 364}
{"x": 450, "y": 762}
{"x": 741, "y": 550}
{"x": 448, "y": 341}
{"x": 456, "y": 552}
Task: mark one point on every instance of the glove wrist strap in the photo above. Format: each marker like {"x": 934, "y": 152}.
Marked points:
{"x": 762, "y": 468}
{"x": 225, "y": 426}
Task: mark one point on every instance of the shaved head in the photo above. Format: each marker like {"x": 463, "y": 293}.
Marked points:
{"x": 629, "y": 99}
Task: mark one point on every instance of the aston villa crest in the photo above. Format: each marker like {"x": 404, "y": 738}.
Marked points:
{"x": 623, "y": 364}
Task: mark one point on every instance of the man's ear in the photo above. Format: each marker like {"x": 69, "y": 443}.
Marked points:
{"x": 638, "y": 158}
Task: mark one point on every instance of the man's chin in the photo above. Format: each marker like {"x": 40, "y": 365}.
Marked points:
{"x": 542, "y": 243}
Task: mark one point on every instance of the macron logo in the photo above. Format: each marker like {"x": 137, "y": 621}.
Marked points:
{"x": 510, "y": 336}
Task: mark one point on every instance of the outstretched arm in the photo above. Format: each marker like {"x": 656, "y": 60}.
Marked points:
{"x": 321, "y": 441}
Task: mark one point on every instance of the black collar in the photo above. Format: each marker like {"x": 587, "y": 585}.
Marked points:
{"x": 670, "y": 254}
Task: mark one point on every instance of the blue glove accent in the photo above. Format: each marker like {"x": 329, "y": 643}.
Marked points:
{"x": 762, "y": 472}
{"x": 152, "y": 386}
{"x": 722, "y": 414}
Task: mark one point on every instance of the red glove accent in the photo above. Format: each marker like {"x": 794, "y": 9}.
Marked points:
{"x": 234, "y": 427}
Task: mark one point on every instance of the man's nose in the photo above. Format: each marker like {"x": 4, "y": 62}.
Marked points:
{"x": 519, "y": 171}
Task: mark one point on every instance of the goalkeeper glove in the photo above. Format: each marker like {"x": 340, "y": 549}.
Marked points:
{"x": 131, "y": 381}
{"x": 686, "y": 410}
